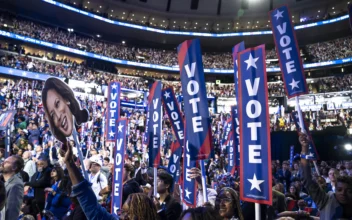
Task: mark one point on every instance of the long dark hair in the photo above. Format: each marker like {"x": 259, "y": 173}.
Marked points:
{"x": 236, "y": 202}
{"x": 81, "y": 115}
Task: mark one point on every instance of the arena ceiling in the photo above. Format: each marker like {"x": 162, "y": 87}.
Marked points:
{"x": 40, "y": 10}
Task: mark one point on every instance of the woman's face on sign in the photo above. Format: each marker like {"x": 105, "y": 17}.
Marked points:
{"x": 59, "y": 112}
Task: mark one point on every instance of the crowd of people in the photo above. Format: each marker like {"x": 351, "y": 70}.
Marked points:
{"x": 323, "y": 51}
{"x": 79, "y": 71}
{"x": 40, "y": 179}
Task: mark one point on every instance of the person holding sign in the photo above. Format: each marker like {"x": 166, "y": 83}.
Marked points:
{"x": 332, "y": 205}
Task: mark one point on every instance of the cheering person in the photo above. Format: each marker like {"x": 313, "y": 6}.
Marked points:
{"x": 57, "y": 201}
{"x": 228, "y": 204}
{"x": 332, "y": 205}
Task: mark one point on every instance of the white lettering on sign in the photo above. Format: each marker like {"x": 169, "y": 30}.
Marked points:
{"x": 155, "y": 118}
{"x": 188, "y": 159}
{"x": 193, "y": 90}
{"x": 176, "y": 119}
{"x": 253, "y": 150}
{"x": 284, "y": 43}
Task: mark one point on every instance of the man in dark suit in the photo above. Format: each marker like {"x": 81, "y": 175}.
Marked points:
{"x": 39, "y": 181}
{"x": 168, "y": 208}
{"x": 284, "y": 176}
{"x": 13, "y": 185}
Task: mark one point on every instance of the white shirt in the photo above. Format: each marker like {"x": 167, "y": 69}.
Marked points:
{"x": 96, "y": 185}
{"x": 29, "y": 168}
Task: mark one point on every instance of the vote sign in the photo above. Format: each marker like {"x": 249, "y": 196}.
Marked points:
{"x": 119, "y": 156}
{"x": 196, "y": 111}
{"x": 288, "y": 52}
{"x": 113, "y": 110}
{"x": 173, "y": 111}
{"x": 154, "y": 124}
{"x": 254, "y": 127}
{"x": 236, "y": 135}
{"x": 174, "y": 163}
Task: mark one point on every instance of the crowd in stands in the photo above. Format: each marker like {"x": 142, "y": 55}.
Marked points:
{"x": 324, "y": 51}
{"x": 39, "y": 177}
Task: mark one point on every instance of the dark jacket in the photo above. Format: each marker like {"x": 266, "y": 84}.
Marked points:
{"x": 139, "y": 178}
{"x": 14, "y": 194}
{"x": 284, "y": 178}
{"x": 329, "y": 207}
{"x": 39, "y": 181}
{"x": 131, "y": 186}
{"x": 33, "y": 137}
{"x": 76, "y": 214}
{"x": 170, "y": 209}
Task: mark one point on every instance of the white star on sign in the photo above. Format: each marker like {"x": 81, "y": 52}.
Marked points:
{"x": 24, "y": 74}
{"x": 115, "y": 209}
{"x": 167, "y": 95}
{"x": 311, "y": 155}
{"x": 10, "y": 71}
{"x": 294, "y": 84}
{"x": 114, "y": 86}
{"x": 251, "y": 62}
{"x": 120, "y": 127}
{"x": 111, "y": 134}
{"x": 255, "y": 183}
{"x": 278, "y": 14}
{"x": 36, "y": 76}
{"x": 187, "y": 193}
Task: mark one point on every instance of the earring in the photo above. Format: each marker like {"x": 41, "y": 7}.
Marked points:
{"x": 68, "y": 103}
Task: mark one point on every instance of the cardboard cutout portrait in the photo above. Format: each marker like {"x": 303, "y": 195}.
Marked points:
{"x": 62, "y": 109}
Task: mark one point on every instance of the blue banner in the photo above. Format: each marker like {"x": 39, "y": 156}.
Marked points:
{"x": 253, "y": 111}
{"x": 154, "y": 124}
{"x": 292, "y": 151}
{"x": 145, "y": 136}
{"x": 288, "y": 52}
{"x": 194, "y": 92}
{"x": 231, "y": 154}
{"x": 227, "y": 129}
{"x": 174, "y": 163}
{"x": 313, "y": 154}
{"x": 236, "y": 134}
{"x": 119, "y": 160}
{"x": 173, "y": 111}
{"x": 235, "y": 50}
{"x": 189, "y": 187}
{"x": 112, "y": 110}
{"x": 185, "y": 33}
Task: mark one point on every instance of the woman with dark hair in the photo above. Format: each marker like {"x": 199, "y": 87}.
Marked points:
{"x": 139, "y": 206}
{"x": 200, "y": 213}
{"x": 228, "y": 204}
{"x": 57, "y": 201}
{"x": 60, "y": 106}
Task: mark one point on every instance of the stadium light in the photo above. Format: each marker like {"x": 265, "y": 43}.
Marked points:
{"x": 348, "y": 147}
{"x": 123, "y": 42}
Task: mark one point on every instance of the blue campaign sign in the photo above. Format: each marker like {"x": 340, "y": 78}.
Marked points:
{"x": 119, "y": 158}
{"x": 231, "y": 154}
{"x": 196, "y": 111}
{"x": 235, "y": 50}
{"x": 288, "y": 52}
{"x": 227, "y": 129}
{"x": 185, "y": 33}
{"x": 313, "y": 153}
{"x": 189, "y": 187}
{"x": 292, "y": 150}
{"x": 173, "y": 111}
{"x": 236, "y": 134}
{"x": 253, "y": 111}
{"x": 154, "y": 124}
{"x": 174, "y": 163}
{"x": 112, "y": 110}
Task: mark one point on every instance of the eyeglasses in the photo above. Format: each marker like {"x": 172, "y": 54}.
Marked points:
{"x": 224, "y": 200}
